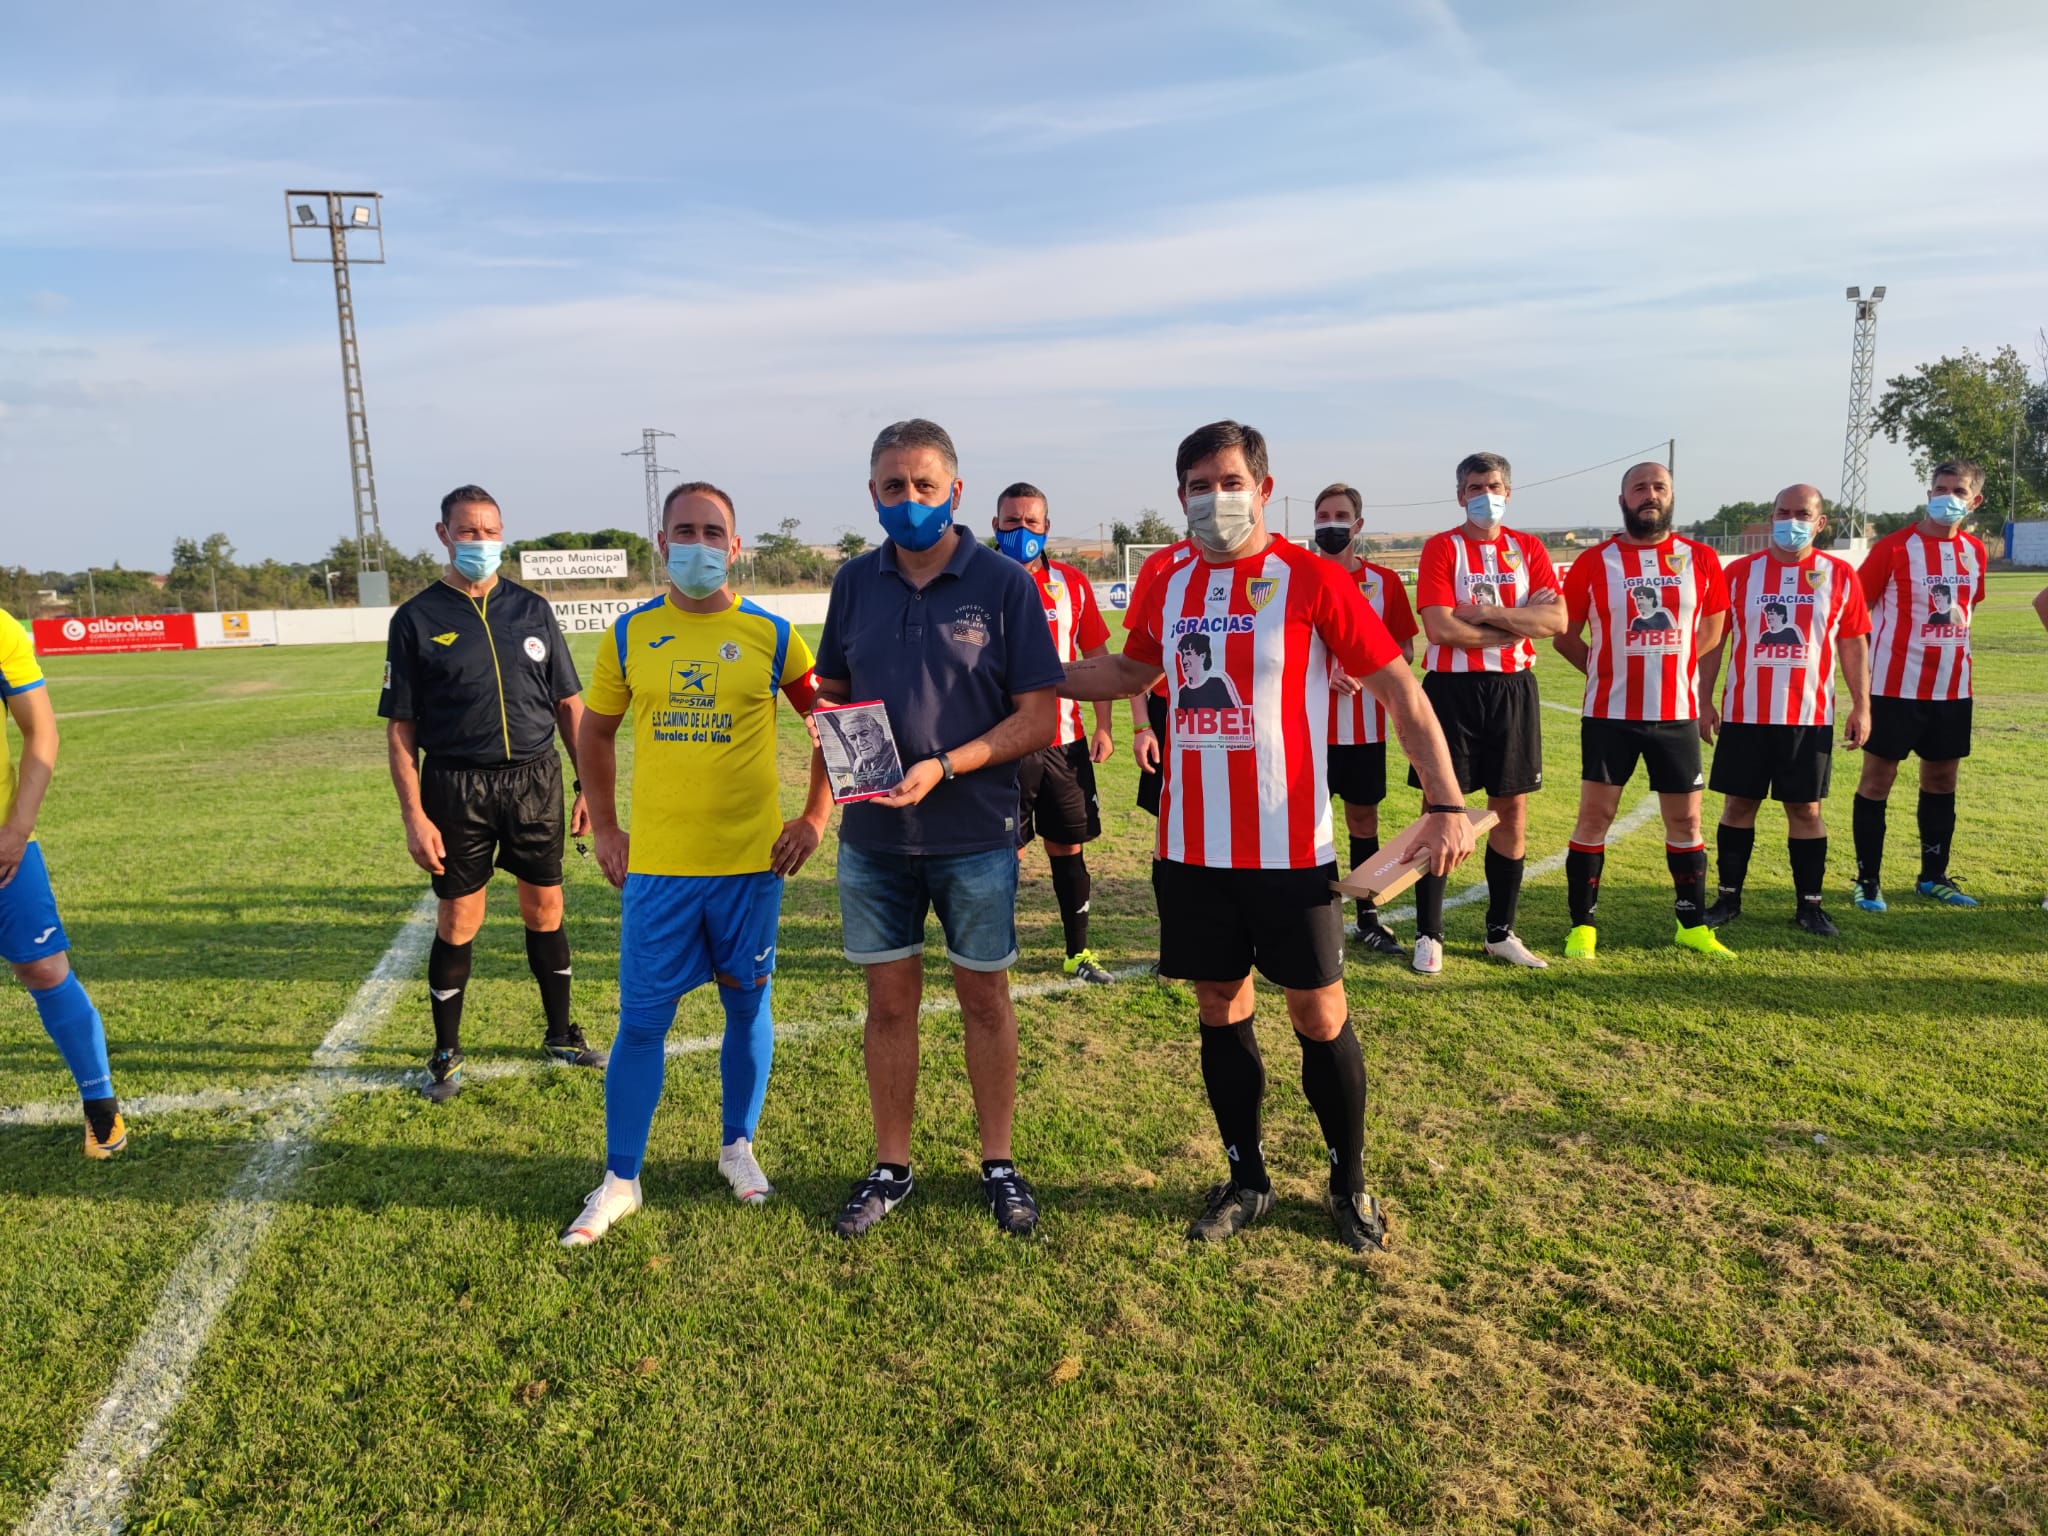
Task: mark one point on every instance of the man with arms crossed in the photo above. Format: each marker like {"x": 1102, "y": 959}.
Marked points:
{"x": 478, "y": 677}
{"x": 1358, "y": 721}
{"x": 1642, "y": 697}
{"x": 1487, "y": 593}
{"x": 1246, "y": 848}
{"x": 702, "y": 870}
{"x": 32, "y": 936}
{"x": 951, "y": 637}
{"x": 1923, "y": 585}
{"x": 1791, "y": 608}
{"x": 1056, "y": 784}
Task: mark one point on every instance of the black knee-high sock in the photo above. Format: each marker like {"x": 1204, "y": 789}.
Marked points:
{"x": 1809, "y": 865}
{"x": 547, "y": 956}
{"x": 447, "y": 980}
{"x": 1333, "y": 1079}
{"x": 1582, "y": 865}
{"x": 1503, "y": 894}
{"x": 1688, "y": 868}
{"x": 1235, "y": 1074}
{"x": 1429, "y": 907}
{"x": 1362, "y": 849}
{"x": 1866, "y": 824}
{"x": 1937, "y": 832}
{"x": 1072, "y": 887}
{"x": 1733, "y": 846}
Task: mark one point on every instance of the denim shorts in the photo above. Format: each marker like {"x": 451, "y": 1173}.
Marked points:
{"x": 883, "y": 898}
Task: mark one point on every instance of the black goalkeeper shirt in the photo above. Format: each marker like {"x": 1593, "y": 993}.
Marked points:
{"x": 479, "y": 677}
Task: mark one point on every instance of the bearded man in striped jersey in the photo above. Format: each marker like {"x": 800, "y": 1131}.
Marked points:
{"x": 1792, "y": 609}
{"x": 1247, "y": 851}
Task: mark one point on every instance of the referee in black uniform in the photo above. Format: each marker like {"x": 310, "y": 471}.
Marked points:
{"x": 477, "y": 676}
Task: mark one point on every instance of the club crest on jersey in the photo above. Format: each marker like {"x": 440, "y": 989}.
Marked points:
{"x": 1511, "y": 557}
{"x": 729, "y": 652}
{"x": 1259, "y": 591}
{"x": 1815, "y": 577}
{"x": 1676, "y": 557}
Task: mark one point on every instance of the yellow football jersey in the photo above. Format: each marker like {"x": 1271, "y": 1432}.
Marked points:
{"x": 701, "y": 688}
{"x": 18, "y": 674}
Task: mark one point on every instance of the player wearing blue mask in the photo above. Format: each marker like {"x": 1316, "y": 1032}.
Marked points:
{"x": 1056, "y": 784}
{"x": 477, "y": 678}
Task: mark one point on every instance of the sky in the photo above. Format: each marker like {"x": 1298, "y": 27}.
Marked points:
{"x": 1386, "y": 235}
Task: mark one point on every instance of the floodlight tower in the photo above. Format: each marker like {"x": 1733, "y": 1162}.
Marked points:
{"x": 655, "y": 471}
{"x": 1853, "y": 502}
{"x": 339, "y": 215}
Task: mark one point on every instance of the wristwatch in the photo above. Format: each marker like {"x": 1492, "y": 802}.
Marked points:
{"x": 945, "y": 767}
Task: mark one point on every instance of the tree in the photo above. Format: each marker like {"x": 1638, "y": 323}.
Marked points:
{"x": 852, "y": 544}
{"x": 1732, "y": 519}
{"x": 1970, "y": 407}
{"x": 1154, "y": 529}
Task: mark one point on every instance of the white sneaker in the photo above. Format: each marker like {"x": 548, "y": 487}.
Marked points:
{"x": 1428, "y": 959}
{"x": 612, "y": 1201}
{"x": 749, "y": 1184}
{"x": 1515, "y": 952}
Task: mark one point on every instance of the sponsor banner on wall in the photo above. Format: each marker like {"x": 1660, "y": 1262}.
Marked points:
{"x": 107, "y": 636}
{"x": 593, "y": 617}
{"x": 232, "y": 629}
{"x": 572, "y": 564}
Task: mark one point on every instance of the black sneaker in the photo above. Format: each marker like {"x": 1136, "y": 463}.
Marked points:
{"x": 1810, "y": 917}
{"x": 445, "y": 1068}
{"x": 1377, "y": 939}
{"x": 1361, "y": 1225}
{"x": 1725, "y": 909}
{"x": 874, "y": 1196}
{"x": 1010, "y": 1201}
{"x": 1227, "y": 1209}
{"x": 572, "y": 1050}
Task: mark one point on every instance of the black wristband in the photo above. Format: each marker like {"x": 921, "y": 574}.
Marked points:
{"x": 1442, "y": 810}
{"x": 576, "y": 786}
{"x": 945, "y": 767}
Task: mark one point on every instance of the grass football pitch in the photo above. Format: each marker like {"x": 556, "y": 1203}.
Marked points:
{"x": 1678, "y": 1246}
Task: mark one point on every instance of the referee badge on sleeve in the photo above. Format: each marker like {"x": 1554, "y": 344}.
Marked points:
{"x": 536, "y": 647}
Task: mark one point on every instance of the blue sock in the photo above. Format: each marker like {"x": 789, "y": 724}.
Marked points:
{"x": 744, "y": 1059}
{"x": 632, "y": 1084}
{"x": 74, "y": 1024}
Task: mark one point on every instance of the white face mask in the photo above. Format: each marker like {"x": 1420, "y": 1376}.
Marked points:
{"x": 1487, "y": 509}
{"x": 1221, "y": 520}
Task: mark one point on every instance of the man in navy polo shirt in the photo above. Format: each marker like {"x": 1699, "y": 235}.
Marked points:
{"x": 951, "y": 637}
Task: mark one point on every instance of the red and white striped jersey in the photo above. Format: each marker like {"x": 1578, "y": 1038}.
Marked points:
{"x": 1922, "y": 592}
{"x": 1247, "y": 649}
{"x": 1506, "y": 569}
{"x": 1783, "y": 619}
{"x": 1154, "y": 566}
{"x": 1642, "y": 604}
{"x": 1076, "y": 625}
{"x": 1359, "y": 719}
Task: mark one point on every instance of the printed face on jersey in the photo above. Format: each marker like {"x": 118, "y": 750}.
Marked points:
{"x": 1207, "y": 713}
{"x": 1652, "y": 629}
{"x": 1482, "y": 592}
{"x": 693, "y": 684}
{"x": 1780, "y": 641}
{"x": 1948, "y": 617}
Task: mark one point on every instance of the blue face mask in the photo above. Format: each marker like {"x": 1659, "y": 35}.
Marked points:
{"x": 477, "y": 558}
{"x": 1947, "y": 510}
{"x": 1020, "y": 544}
{"x": 1792, "y": 535}
{"x": 698, "y": 570}
{"x": 915, "y": 526}
{"x": 1487, "y": 509}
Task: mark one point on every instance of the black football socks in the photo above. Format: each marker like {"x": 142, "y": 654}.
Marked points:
{"x": 1072, "y": 888}
{"x": 547, "y": 956}
{"x": 1333, "y": 1080}
{"x": 1234, "y": 1073}
{"x": 447, "y": 980}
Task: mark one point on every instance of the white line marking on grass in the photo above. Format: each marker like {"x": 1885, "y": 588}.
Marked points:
{"x": 91, "y": 1488}
{"x": 1645, "y": 809}
{"x": 1564, "y": 709}
{"x": 238, "y": 698}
